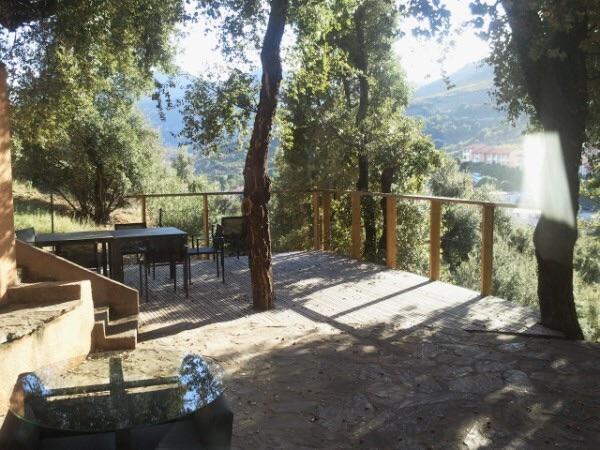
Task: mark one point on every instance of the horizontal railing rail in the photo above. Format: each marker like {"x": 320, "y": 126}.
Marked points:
{"x": 321, "y": 223}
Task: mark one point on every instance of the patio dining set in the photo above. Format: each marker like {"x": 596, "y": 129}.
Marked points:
{"x": 107, "y": 251}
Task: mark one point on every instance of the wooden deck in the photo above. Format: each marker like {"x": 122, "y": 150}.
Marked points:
{"x": 322, "y": 287}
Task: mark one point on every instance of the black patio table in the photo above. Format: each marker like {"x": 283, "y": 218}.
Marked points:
{"x": 114, "y": 239}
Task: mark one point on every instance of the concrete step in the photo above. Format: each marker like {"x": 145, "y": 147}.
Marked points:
{"x": 117, "y": 325}
{"x": 44, "y": 292}
{"x": 118, "y": 334}
{"x": 121, "y": 325}
{"x": 126, "y": 340}
{"x": 102, "y": 313}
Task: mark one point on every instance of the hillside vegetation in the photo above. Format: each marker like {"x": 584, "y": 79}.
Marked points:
{"x": 463, "y": 112}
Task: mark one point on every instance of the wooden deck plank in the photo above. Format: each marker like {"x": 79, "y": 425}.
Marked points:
{"x": 322, "y": 287}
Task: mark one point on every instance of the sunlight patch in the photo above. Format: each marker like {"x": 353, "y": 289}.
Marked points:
{"x": 545, "y": 185}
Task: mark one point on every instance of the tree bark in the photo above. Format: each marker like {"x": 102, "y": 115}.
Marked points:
{"x": 387, "y": 178}
{"x": 257, "y": 185}
{"x": 361, "y": 61}
{"x": 100, "y": 202}
{"x": 557, "y": 88}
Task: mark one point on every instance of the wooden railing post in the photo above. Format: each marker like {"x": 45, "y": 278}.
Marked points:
{"x": 205, "y": 221}
{"x": 356, "y": 237}
{"x": 143, "y": 209}
{"x": 435, "y": 224}
{"x": 326, "y": 220}
{"x": 487, "y": 248}
{"x": 390, "y": 232}
{"x": 316, "y": 222}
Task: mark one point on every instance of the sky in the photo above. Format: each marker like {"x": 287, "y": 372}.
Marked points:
{"x": 419, "y": 57}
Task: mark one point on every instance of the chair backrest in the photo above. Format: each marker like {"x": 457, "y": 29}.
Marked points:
{"x": 131, "y": 225}
{"x": 83, "y": 253}
{"x": 26, "y": 235}
{"x": 234, "y": 227}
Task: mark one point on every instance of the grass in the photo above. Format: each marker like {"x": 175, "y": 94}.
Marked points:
{"x": 32, "y": 209}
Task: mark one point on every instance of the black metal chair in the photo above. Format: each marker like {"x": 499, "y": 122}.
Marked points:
{"x": 234, "y": 233}
{"x": 26, "y": 235}
{"x": 85, "y": 254}
{"x": 215, "y": 250}
{"x": 166, "y": 251}
{"x": 136, "y": 249}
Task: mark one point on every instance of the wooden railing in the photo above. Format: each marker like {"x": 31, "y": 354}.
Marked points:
{"x": 321, "y": 224}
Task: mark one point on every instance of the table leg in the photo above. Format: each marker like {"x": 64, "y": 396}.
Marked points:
{"x": 116, "y": 263}
{"x": 104, "y": 259}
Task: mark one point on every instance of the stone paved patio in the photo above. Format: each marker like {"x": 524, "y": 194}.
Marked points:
{"x": 356, "y": 356}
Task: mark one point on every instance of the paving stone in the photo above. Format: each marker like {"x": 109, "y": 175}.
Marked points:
{"x": 493, "y": 366}
{"x": 476, "y": 384}
{"x": 518, "y": 379}
{"x": 512, "y": 346}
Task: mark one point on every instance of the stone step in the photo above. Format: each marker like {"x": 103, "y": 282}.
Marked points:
{"x": 121, "y": 325}
{"x": 118, "y": 334}
{"x": 125, "y": 340}
{"x": 102, "y": 313}
{"x": 44, "y": 292}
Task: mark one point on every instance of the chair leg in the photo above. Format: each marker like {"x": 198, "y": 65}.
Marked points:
{"x": 216, "y": 258}
{"x": 141, "y": 269}
{"x": 186, "y": 279}
{"x": 223, "y": 265}
{"x": 174, "y": 269}
{"x": 189, "y": 266}
{"x": 147, "y": 291}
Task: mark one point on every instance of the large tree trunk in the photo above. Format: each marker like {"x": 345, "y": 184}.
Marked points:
{"x": 257, "y": 186}
{"x": 386, "y": 180}
{"x": 361, "y": 61}
{"x": 100, "y": 203}
{"x": 557, "y": 88}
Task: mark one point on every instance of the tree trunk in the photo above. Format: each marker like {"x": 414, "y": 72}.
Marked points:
{"x": 257, "y": 185}
{"x": 100, "y": 206}
{"x": 361, "y": 61}
{"x": 558, "y": 91}
{"x": 387, "y": 178}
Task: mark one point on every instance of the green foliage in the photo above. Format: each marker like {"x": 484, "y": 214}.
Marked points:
{"x": 215, "y": 111}
{"x": 460, "y": 224}
{"x": 503, "y": 177}
{"x": 95, "y": 158}
{"x": 587, "y": 253}
{"x": 412, "y": 233}
{"x": 32, "y": 209}
{"x": 345, "y": 100}
{"x": 109, "y": 42}
{"x": 76, "y": 70}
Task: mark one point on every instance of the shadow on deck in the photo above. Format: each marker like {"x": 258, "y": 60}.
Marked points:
{"x": 357, "y": 356}
{"x": 325, "y": 288}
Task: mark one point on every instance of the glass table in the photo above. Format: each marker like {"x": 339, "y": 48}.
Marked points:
{"x": 117, "y": 391}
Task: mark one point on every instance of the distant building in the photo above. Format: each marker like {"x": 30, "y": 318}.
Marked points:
{"x": 493, "y": 154}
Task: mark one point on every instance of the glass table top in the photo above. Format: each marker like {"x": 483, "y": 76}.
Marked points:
{"x": 113, "y": 391}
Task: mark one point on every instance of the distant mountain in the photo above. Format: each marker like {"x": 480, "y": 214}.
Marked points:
{"x": 226, "y": 166}
{"x": 455, "y": 117}
{"x": 464, "y": 112}
{"x": 171, "y": 126}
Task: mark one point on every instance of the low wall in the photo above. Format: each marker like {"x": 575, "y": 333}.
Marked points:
{"x": 42, "y": 265}
{"x": 37, "y": 334}
{"x": 8, "y": 269}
